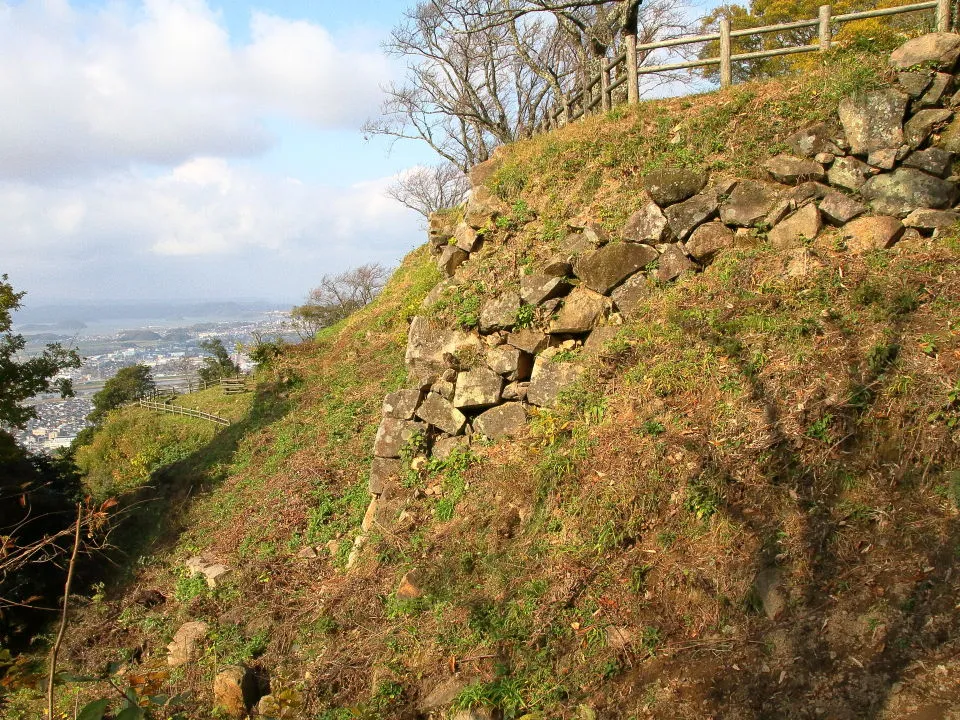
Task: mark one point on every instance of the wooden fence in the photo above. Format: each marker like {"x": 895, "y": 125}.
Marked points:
{"x": 180, "y": 410}
{"x": 598, "y": 91}
{"x": 231, "y": 386}
{"x": 234, "y": 385}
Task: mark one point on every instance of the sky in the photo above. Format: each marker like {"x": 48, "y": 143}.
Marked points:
{"x": 195, "y": 149}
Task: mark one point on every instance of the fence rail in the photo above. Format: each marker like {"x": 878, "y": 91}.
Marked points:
{"x": 180, "y": 410}
{"x": 625, "y": 66}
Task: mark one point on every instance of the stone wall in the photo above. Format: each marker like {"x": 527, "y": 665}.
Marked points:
{"x": 883, "y": 172}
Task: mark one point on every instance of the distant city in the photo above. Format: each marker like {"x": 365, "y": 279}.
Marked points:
{"x": 109, "y": 343}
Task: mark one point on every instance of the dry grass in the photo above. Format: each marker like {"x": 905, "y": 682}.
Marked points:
{"x": 746, "y": 421}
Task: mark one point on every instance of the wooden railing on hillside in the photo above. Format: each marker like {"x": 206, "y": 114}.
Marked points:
{"x": 180, "y": 410}
{"x": 230, "y": 385}
{"x": 599, "y": 91}
{"x": 234, "y": 385}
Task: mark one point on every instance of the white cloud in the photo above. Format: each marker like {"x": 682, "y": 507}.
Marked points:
{"x": 89, "y": 90}
{"x": 203, "y": 228}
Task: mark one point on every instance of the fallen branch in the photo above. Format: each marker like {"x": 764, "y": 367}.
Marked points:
{"x": 66, "y": 607}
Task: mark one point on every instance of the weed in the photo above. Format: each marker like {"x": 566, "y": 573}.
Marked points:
{"x": 189, "y": 587}
{"x": 525, "y": 315}
{"x": 820, "y": 429}
{"x": 881, "y": 356}
{"x": 230, "y": 646}
{"x": 701, "y": 500}
{"x": 503, "y": 693}
{"x": 653, "y": 428}
{"x": 333, "y": 515}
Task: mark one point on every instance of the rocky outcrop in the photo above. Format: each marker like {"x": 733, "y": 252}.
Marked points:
{"x": 882, "y": 169}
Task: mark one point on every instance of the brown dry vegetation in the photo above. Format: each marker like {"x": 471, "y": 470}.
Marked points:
{"x": 745, "y": 424}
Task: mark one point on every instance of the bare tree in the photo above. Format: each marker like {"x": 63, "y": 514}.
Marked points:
{"x": 488, "y": 72}
{"x": 427, "y": 189}
{"x": 338, "y": 296}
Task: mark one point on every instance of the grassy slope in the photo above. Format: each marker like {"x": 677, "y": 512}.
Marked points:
{"x": 607, "y": 560}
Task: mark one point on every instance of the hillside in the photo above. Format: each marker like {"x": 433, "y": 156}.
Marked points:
{"x": 721, "y": 472}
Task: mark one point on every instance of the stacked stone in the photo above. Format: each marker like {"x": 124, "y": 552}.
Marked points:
{"x": 883, "y": 171}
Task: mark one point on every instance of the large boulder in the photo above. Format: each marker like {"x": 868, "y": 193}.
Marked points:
{"x": 848, "y": 173}
{"x": 184, "y": 646}
{"x": 384, "y": 473}
{"x": 482, "y": 172}
{"x": 527, "y": 340}
{"x": 509, "y": 362}
{"x": 466, "y": 238}
{"x": 668, "y": 186}
{"x": 934, "y": 160}
{"x": 401, "y": 404}
{"x": 445, "y": 446}
{"x": 685, "y": 217}
{"x": 234, "y": 691}
{"x": 814, "y": 140}
{"x": 483, "y": 207}
{"x": 914, "y": 84}
{"x": 838, "y": 208}
{"x": 441, "y": 413}
{"x": 604, "y": 269}
{"x": 597, "y": 341}
{"x": 500, "y": 313}
{"x": 539, "y": 287}
{"x": 949, "y": 139}
{"x": 905, "y": 189}
{"x": 926, "y": 219}
{"x": 918, "y": 128}
{"x": 709, "y": 239}
{"x": 451, "y": 257}
{"x": 791, "y": 170}
{"x": 393, "y": 434}
{"x": 440, "y": 228}
{"x": 581, "y": 311}
{"x": 549, "y": 379}
{"x": 505, "y": 420}
{"x": 749, "y": 203}
{"x": 477, "y": 388}
{"x": 629, "y": 297}
{"x": 673, "y": 263}
{"x": 939, "y": 85}
{"x": 648, "y": 224}
{"x": 937, "y": 49}
{"x": 427, "y": 348}
{"x": 873, "y": 120}
{"x": 793, "y": 231}
{"x": 871, "y": 233}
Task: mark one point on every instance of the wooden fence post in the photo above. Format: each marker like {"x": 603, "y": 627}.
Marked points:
{"x": 633, "y": 79}
{"x": 605, "y": 99}
{"x": 726, "y": 73}
{"x": 824, "y": 28}
{"x": 943, "y": 15}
